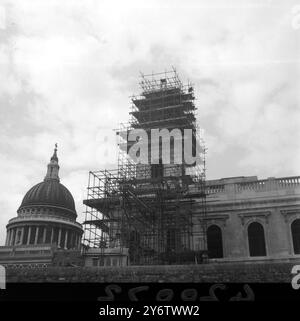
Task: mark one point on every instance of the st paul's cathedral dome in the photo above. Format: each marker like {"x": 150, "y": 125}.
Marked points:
{"x": 47, "y": 215}
{"x": 50, "y": 193}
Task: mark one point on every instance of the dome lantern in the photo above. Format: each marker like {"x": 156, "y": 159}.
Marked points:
{"x": 53, "y": 167}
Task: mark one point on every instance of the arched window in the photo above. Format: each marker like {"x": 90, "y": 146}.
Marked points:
{"x": 295, "y": 227}
{"x": 256, "y": 238}
{"x": 214, "y": 242}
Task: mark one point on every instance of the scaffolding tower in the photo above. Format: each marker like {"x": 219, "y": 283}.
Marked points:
{"x": 155, "y": 210}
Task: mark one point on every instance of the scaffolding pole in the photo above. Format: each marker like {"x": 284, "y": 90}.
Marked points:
{"x": 151, "y": 209}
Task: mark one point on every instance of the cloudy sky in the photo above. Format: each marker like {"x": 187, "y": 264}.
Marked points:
{"x": 67, "y": 69}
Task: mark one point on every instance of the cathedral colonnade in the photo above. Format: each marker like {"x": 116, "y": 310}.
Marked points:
{"x": 62, "y": 236}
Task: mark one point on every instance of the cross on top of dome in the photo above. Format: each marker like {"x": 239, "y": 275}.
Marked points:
{"x": 54, "y": 156}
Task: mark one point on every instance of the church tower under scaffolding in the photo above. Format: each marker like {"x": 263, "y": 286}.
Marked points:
{"x": 152, "y": 211}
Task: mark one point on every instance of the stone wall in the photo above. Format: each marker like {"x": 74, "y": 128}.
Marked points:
{"x": 234, "y": 203}
{"x": 215, "y": 272}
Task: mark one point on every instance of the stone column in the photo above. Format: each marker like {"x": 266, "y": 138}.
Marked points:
{"x": 66, "y": 239}
{"x": 7, "y": 237}
{"x": 71, "y": 239}
{"x": 36, "y": 235}
{"x": 75, "y": 241}
{"x": 44, "y": 235}
{"x": 11, "y": 237}
{"x": 59, "y": 237}
{"x": 52, "y": 234}
{"x": 29, "y": 235}
{"x": 12, "y": 241}
{"x": 78, "y": 242}
{"x": 22, "y": 236}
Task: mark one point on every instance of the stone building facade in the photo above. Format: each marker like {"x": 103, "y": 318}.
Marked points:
{"x": 249, "y": 219}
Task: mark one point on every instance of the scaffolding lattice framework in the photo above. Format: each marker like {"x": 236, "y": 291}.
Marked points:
{"x": 146, "y": 208}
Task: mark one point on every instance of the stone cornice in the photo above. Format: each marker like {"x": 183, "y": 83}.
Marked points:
{"x": 45, "y": 205}
{"x": 41, "y": 219}
{"x": 248, "y": 215}
{"x": 222, "y": 218}
{"x": 239, "y": 205}
{"x": 289, "y": 213}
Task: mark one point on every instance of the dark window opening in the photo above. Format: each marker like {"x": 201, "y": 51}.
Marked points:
{"x": 214, "y": 242}
{"x": 62, "y": 238}
{"x": 48, "y": 234}
{"x": 40, "y": 235}
{"x": 256, "y": 238}
{"x": 296, "y": 235}
{"x": 25, "y": 237}
{"x": 19, "y": 234}
{"x": 32, "y": 235}
{"x": 55, "y": 236}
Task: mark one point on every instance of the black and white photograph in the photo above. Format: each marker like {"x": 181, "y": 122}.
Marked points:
{"x": 149, "y": 156}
